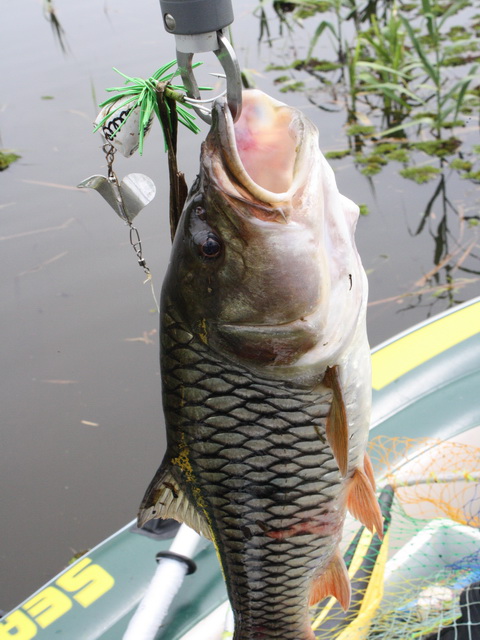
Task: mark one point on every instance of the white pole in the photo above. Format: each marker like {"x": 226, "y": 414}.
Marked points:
{"x": 163, "y": 588}
{"x": 229, "y": 625}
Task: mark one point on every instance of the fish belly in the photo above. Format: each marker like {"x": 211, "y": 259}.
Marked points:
{"x": 252, "y": 457}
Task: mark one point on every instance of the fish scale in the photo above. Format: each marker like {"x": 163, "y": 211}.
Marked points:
{"x": 261, "y": 469}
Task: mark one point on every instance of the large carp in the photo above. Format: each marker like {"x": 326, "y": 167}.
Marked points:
{"x": 266, "y": 369}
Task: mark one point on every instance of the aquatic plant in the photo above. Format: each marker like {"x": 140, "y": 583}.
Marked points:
{"x": 388, "y": 70}
{"x": 472, "y": 175}
{"x": 461, "y": 165}
{"x": 448, "y": 97}
{"x": 397, "y": 63}
{"x": 7, "y": 157}
{"x": 420, "y": 174}
{"x": 335, "y": 28}
{"x": 337, "y": 154}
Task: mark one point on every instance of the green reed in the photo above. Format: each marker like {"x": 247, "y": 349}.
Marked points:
{"x": 396, "y": 62}
{"x": 448, "y": 96}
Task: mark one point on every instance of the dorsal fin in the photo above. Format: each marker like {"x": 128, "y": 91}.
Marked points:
{"x": 337, "y": 425}
{"x": 165, "y": 499}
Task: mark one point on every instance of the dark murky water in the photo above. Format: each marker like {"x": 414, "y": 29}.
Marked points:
{"x": 81, "y": 422}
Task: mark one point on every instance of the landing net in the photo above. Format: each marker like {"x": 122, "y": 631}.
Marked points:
{"x": 423, "y": 580}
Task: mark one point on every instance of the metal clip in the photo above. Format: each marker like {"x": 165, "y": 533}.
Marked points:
{"x": 228, "y": 59}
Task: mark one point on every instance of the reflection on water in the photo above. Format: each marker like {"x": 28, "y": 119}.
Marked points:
{"x": 455, "y": 253}
{"x": 454, "y": 244}
{"x": 51, "y": 15}
{"x": 82, "y": 431}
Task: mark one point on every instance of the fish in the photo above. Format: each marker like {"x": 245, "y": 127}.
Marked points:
{"x": 265, "y": 367}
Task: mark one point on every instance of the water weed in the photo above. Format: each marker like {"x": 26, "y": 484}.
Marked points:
{"x": 394, "y": 64}
{"x": 7, "y": 157}
{"x": 420, "y": 174}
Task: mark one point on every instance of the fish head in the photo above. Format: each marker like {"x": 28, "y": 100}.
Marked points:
{"x": 264, "y": 266}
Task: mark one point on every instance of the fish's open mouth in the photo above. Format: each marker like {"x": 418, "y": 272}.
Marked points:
{"x": 266, "y": 149}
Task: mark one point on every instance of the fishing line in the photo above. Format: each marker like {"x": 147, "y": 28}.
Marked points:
{"x": 150, "y": 280}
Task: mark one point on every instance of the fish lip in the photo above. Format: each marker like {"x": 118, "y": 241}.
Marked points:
{"x": 223, "y": 127}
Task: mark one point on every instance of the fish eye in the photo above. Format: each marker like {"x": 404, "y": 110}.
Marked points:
{"x": 211, "y": 247}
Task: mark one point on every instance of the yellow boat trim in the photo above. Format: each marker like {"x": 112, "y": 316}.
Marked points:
{"x": 403, "y": 355}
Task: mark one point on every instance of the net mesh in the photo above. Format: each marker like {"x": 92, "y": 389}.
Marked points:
{"x": 423, "y": 580}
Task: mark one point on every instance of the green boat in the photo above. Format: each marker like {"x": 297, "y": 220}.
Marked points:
{"x": 426, "y": 389}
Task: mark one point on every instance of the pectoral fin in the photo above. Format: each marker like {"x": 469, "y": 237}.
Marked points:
{"x": 337, "y": 425}
{"x": 165, "y": 499}
{"x": 332, "y": 582}
{"x": 362, "y": 502}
